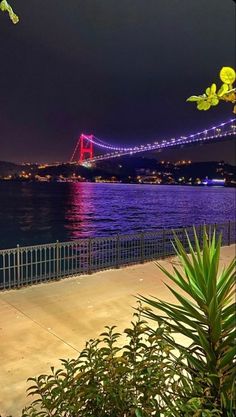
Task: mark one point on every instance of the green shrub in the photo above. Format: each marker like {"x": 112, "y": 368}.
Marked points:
{"x": 111, "y": 381}
{"x": 207, "y": 317}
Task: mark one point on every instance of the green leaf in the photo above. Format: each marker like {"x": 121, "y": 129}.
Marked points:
{"x": 223, "y": 90}
{"x": 5, "y": 7}
{"x": 199, "y": 365}
{"x": 228, "y": 341}
{"x": 213, "y": 88}
{"x": 212, "y": 265}
{"x": 229, "y": 323}
{"x": 227, "y": 359}
{"x": 203, "y": 105}
{"x": 197, "y": 265}
{"x": 228, "y": 311}
{"x": 226, "y": 283}
{"x": 185, "y": 260}
{"x": 181, "y": 282}
{"x": 227, "y": 75}
{"x": 200, "y": 105}
{"x": 194, "y": 98}
{"x": 214, "y": 101}
{"x": 189, "y": 307}
{"x": 206, "y": 345}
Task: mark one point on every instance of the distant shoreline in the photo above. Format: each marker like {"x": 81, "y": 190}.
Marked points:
{"x": 116, "y": 182}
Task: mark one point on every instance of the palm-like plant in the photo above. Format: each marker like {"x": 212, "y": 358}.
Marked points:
{"x": 206, "y": 315}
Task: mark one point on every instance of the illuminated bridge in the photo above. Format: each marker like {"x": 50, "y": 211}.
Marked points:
{"x": 84, "y": 149}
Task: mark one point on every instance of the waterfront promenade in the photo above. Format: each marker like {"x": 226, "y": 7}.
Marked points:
{"x": 40, "y": 324}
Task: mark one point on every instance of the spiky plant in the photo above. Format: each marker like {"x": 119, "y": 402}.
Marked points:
{"x": 206, "y": 315}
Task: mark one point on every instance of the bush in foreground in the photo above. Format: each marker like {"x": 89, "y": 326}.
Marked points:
{"x": 111, "y": 381}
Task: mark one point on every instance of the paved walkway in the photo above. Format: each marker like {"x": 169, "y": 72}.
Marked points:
{"x": 42, "y": 323}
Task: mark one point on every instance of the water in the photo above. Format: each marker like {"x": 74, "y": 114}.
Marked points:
{"x": 40, "y": 213}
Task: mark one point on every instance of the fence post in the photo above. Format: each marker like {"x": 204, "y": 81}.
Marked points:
{"x": 142, "y": 246}
{"x": 18, "y": 265}
{"x": 117, "y": 251}
{"x": 183, "y": 237}
{"x": 163, "y": 242}
{"x": 57, "y": 259}
{"x": 90, "y": 256}
{"x": 229, "y": 233}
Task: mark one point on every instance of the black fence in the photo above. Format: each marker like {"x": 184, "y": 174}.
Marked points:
{"x": 29, "y": 265}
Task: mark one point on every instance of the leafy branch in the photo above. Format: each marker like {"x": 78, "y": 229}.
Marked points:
{"x": 226, "y": 92}
{"x": 5, "y": 7}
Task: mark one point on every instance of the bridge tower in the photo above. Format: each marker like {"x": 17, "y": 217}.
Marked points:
{"x": 84, "y": 149}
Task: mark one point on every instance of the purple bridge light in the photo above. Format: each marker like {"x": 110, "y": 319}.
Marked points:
{"x": 85, "y": 144}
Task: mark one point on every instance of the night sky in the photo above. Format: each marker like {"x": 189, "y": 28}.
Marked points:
{"x": 121, "y": 69}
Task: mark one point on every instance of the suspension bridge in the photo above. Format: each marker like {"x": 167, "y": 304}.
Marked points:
{"x": 84, "y": 150}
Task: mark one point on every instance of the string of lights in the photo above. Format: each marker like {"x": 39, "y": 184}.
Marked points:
{"x": 171, "y": 142}
{"x": 213, "y": 132}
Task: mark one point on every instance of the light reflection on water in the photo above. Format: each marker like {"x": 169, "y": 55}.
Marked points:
{"x": 41, "y": 213}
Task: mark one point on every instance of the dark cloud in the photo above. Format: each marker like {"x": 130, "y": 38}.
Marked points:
{"x": 119, "y": 69}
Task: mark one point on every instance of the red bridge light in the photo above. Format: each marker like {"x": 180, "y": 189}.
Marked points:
{"x": 84, "y": 149}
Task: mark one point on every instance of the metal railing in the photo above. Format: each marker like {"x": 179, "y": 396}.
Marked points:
{"x": 29, "y": 265}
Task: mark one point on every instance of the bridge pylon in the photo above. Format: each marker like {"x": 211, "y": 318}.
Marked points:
{"x": 84, "y": 149}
